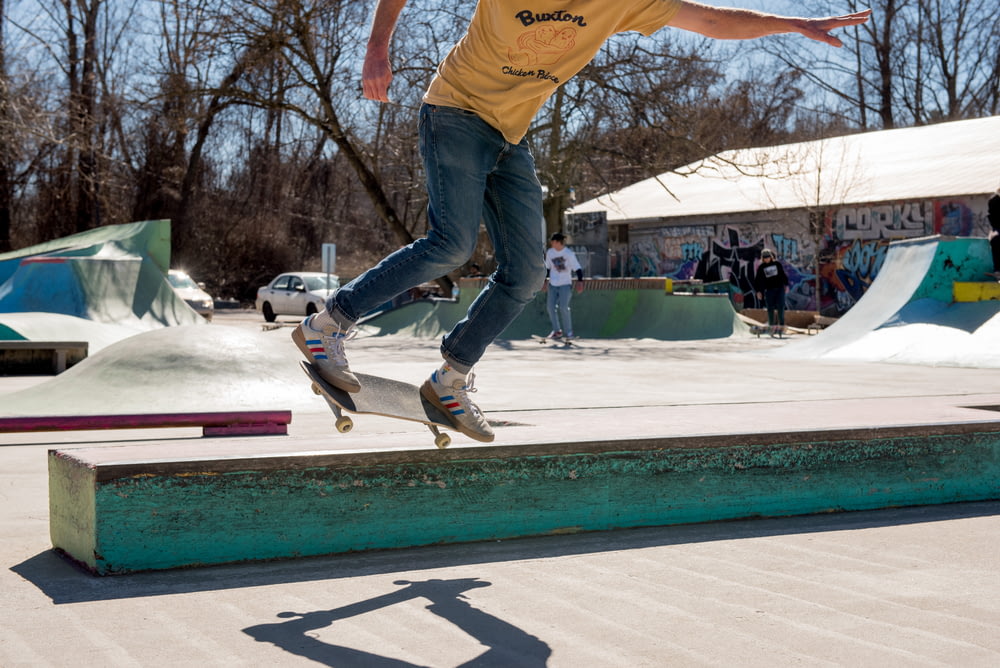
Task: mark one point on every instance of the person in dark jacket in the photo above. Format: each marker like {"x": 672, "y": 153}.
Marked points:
{"x": 771, "y": 283}
{"x": 993, "y": 213}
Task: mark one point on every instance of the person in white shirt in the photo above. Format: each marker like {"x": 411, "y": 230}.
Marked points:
{"x": 562, "y": 267}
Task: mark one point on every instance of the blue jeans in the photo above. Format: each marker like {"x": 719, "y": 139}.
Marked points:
{"x": 774, "y": 299}
{"x": 558, "y": 303}
{"x": 473, "y": 174}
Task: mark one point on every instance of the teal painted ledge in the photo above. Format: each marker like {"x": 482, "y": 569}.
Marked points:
{"x": 118, "y": 516}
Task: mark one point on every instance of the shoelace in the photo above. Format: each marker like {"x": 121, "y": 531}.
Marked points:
{"x": 464, "y": 391}
{"x": 334, "y": 344}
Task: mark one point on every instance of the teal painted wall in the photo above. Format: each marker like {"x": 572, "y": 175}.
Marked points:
{"x": 597, "y": 314}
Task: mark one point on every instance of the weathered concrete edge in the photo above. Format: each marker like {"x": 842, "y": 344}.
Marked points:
{"x": 107, "y": 468}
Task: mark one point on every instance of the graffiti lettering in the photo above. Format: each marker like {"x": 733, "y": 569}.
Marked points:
{"x": 733, "y": 262}
{"x": 882, "y": 222}
{"x": 692, "y": 251}
{"x": 860, "y": 264}
{"x": 786, "y": 247}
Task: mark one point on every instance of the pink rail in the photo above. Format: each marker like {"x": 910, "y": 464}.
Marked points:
{"x": 229, "y": 423}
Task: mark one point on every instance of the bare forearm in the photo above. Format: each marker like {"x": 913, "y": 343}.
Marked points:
{"x": 733, "y": 23}
{"x": 376, "y": 75}
{"x": 384, "y": 23}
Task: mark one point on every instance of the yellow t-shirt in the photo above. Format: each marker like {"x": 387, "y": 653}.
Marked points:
{"x": 517, "y": 52}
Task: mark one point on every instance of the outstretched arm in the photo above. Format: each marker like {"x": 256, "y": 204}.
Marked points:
{"x": 732, "y": 23}
{"x": 377, "y": 72}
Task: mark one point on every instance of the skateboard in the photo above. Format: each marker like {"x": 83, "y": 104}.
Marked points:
{"x": 773, "y": 330}
{"x": 380, "y": 396}
{"x": 559, "y": 339}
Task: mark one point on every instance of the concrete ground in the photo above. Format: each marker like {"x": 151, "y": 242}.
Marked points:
{"x": 899, "y": 587}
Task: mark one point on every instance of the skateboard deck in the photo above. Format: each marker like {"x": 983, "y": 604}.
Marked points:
{"x": 544, "y": 339}
{"x": 773, "y": 330}
{"x": 380, "y": 396}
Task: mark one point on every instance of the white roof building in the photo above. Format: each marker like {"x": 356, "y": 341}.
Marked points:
{"x": 959, "y": 158}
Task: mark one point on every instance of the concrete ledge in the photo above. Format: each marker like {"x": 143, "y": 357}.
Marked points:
{"x": 117, "y": 514}
{"x": 30, "y": 356}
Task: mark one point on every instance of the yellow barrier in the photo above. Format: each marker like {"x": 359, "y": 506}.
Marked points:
{"x": 976, "y": 292}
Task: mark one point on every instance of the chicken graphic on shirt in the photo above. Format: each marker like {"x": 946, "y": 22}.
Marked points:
{"x": 542, "y": 46}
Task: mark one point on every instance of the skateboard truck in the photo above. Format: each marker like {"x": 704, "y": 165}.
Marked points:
{"x": 380, "y": 396}
{"x": 344, "y": 423}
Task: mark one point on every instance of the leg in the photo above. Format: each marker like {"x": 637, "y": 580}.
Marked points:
{"x": 513, "y": 218}
{"x": 770, "y": 301}
{"x": 512, "y": 213}
{"x": 458, "y": 150}
{"x": 551, "y": 302}
{"x": 565, "y": 295}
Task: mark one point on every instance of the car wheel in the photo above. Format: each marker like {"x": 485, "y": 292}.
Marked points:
{"x": 268, "y": 312}
{"x": 310, "y": 309}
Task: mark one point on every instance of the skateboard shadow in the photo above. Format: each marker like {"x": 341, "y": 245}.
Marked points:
{"x": 508, "y": 645}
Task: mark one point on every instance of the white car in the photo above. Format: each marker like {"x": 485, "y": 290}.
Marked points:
{"x": 296, "y": 293}
{"x": 193, "y": 293}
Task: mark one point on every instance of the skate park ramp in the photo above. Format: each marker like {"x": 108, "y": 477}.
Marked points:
{"x": 908, "y": 315}
{"x": 180, "y": 369}
{"x": 621, "y": 309}
{"x": 98, "y": 286}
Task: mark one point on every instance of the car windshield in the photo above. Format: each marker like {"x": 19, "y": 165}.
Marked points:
{"x": 181, "y": 281}
{"x": 321, "y": 282}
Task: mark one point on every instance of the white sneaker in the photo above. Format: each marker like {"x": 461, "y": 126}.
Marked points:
{"x": 449, "y": 391}
{"x": 322, "y": 340}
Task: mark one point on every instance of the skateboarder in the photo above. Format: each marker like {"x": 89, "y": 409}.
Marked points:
{"x": 562, "y": 266}
{"x": 479, "y": 166}
{"x": 771, "y": 282}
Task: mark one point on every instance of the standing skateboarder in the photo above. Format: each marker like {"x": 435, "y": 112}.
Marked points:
{"x": 771, "y": 283}
{"x": 562, "y": 266}
{"x": 479, "y": 167}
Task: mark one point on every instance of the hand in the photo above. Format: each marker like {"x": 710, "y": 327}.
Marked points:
{"x": 819, "y": 29}
{"x": 579, "y": 287}
{"x": 376, "y": 75}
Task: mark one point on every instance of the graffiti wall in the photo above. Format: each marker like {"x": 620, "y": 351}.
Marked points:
{"x": 830, "y": 261}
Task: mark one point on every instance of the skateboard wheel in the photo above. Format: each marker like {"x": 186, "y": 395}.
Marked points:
{"x": 344, "y": 424}
{"x": 442, "y": 441}
{"x": 315, "y": 388}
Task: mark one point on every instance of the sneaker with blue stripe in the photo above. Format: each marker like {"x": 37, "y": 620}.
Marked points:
{"x": 449, "y": 390}
{"x": 322, "y": 341}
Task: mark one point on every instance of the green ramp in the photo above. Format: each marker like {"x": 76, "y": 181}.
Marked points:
{"x": 113, "y": 275}
{"x": 605, "y": 310}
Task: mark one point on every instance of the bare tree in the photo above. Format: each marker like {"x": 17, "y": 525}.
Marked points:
{"x": 6, "y": 142}
{"x": 958, "y": 45}
{"x": 649, "y": 105}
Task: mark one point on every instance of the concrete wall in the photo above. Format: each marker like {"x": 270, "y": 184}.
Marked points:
{"x": 850, "y": 250}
